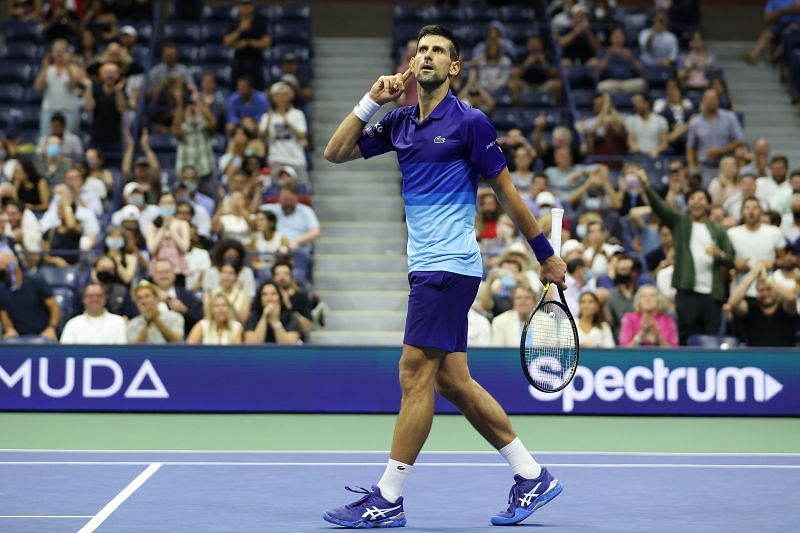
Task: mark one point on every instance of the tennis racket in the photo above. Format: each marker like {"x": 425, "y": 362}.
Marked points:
{"x": 549, "y": 347}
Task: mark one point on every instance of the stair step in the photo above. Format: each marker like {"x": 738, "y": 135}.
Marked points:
{"x": 351, "y": 280}
{"x": 367, "y": 262}
{"x": 343, "y": 185}
{"x": 371, "y": 320}
{"x": 357, "y": 230}
{"x": 360, "y": 245}
{"x": 365, "y": 214}
{"x": 366, "y": 300}
{"x": 358, "y": 338}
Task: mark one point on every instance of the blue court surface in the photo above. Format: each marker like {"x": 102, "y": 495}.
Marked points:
{"x": 161, "y": 491}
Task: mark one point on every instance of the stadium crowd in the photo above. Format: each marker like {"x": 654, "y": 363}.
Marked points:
{"x": 157, "y": 199}
{"x": 165, "y": 195}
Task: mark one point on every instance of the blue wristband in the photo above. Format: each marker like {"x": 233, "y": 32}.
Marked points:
{"x": 541, "y": 247}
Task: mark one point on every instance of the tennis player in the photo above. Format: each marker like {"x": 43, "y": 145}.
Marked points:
{"x": 443, "y": 147}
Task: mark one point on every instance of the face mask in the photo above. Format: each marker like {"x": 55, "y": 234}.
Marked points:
{"x": 92, "y": 164}
{"x": 53, "y": 150}
{"x": 580, "y": 231}
{"x": 167, "y": 210}
{"x": 105, "y": 277}
{"x": 544, "y": 211}
{"x": 191, "y": 186}
{"x": 115, "y": 244}
{"x": 593, "y": 204}
{"x": 621, "y": 279}
{"x": 136, "y": 199}
{"x": 235, "y": 261}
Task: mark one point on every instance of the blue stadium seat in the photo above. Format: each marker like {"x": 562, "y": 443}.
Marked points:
{"x": 16, "y": 72}
{"x": 66, "y": 298}
{"x": 25, "y": 118}
{"x": 439, "y": 14}
{"x": 186, "y": 52}
{"x": 298, "y": 11}
{"x": 160, "y": 142}
{"x": 11, "y": 93}
{"x": 218, "y": 13}
{"x": 70, "y": 277}
{"x": 406, "y": 13}
{"x": 537, "y": 99}
{"x": 518, "y": 13}
{"x": 580, "y": 77}
{"x": 213, "y": 53}
{"x": 303, "y": 265}
{"x": 713, "y": 341}
{"x": 32, "y": 97}
{"x": 657, "y": 76}
{"x": 278, "y": 52}
{"x": 20, "y": 51}
{"x": 28, "y": 339}
{"x": 520, "y": 31}
{"x": 181, "y": 32}
{"x": 622, "y": 101}
{"x": 584, "y": 98}
{"x": 213, "y": 32}
{"x": 16, "y": 31}
{"x": 292, "y": 32}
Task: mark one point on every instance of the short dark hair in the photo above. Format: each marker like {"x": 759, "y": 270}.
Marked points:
{"x": 780, "y": 157}
{"x": 575, "y": 264}
{"x": 279, "y": 264}
{"x": 58, "y": 117}
{"x": 700, "y": 190}
{"x": 441, "y": 31}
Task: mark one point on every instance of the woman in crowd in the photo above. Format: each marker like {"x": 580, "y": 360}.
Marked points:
{"x": 229, "y": 287}
{"x": 63, "y": 240}
{"x": 677, "y": 109}
{"x": 266, "y": 240}
{"x": 648, "y": 325}
{"x": 270, "y": 320}
{"x": 32, "y": 189}
{"x": 118, "y": 300}
{"x": 119, "y": 248}
{"x": 726, "y": 184}
{"x": 593, "y": 329}
{"x": 230, "y": 251}
{"x": 285, "y": 129}
{"x": 232, "y": 219}
{"x": 219, "y": 326}
{"x": 59, "y": 80}
{"x": 168, "y": 237}
{"x": 694, "y": 68}
{"x": 523, "y": 168}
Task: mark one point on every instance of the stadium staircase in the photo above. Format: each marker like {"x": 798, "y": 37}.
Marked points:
{"x": 360, "y": 261}
{"x": 757, "y": 92}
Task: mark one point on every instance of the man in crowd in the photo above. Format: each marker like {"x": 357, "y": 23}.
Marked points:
{"x": 713, "y": 133}
{"x": 703, "y": 255}
{"x": 70, "y": 145}
{"x": 296, "y": 299}
{"x": 790, "y": 225}
{"x": 647, "y": 131}
{"x": 296, "y": 221}
{"x": 626, "y": 281}
{"x": 248, "y": 37}
{"x": 775, "y": 189}
{"x": 245, "y": 101}
{"x": 759, "y": 166}
{"x": 169, "y": 68}
{"x": 507, "y": 326}
{"x": 27, "y": 304}
{"x": 95, "y": 325}
{"x": 658, "y": 45}
{"x": 177, "y": 299}
{"x": 770, "y": 320}
{"x": 153, "y": 325}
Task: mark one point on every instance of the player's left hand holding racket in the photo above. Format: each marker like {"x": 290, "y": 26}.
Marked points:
{"x": 549, "y": 347}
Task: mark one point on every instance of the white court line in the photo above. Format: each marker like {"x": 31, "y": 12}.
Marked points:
{"x": 46, "y": 516}
{"x": 423, "y": 464}
{"x": 433, "y": 452}
{"x": 118, "y": 500}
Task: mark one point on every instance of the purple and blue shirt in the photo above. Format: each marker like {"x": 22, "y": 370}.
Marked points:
{"x": 441, "y": 159}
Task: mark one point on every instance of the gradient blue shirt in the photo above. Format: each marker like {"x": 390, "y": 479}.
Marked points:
{"x": 441, "y": 159}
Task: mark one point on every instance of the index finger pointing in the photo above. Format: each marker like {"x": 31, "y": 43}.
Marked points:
{"x": 407, "y": 74}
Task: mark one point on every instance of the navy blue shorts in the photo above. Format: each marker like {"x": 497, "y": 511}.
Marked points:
{"x": 437, "y": 309}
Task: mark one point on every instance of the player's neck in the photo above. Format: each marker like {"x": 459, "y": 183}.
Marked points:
{"x": 429, "y": 100}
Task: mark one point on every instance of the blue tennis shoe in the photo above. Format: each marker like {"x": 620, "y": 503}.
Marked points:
{"x": 372, "y": 510}
{"x": 526, "y": 496}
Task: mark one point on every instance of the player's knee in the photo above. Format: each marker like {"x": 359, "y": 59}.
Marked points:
{"x": 451, "y": 389}
{"x": 414, "y": 377}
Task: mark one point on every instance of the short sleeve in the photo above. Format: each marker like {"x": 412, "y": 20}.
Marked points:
{"x": 484, "y": 150}
{"x": 297, "y": 120}
{"x": 43, "y": 288}
{"x": 736, "y": 127}
{"x": 377, "y": 139}
{"x": 311, "y": 218}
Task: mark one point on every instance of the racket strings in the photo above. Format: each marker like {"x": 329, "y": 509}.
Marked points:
{"x": 550, "y": 348}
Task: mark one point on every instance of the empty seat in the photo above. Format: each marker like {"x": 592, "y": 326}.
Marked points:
{"x": 71, "y": 276}
{"x": 11, "y": 93}
{"x": 16, "y": 72}
{"x": 218, "y": 13}
{"x": 181, "y": 32}
{"x": 292, "y": 32}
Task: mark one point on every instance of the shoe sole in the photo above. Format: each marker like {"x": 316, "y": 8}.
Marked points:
{"x": 521, "y": 514}
{"x": 365, "y": 524}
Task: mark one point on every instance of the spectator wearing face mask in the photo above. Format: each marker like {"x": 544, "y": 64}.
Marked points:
{"x": 146, "y": 170}
{"x": 620, "y": 298}
{"x": 52, "y": 164}
{"x": 135, "y": 207}
{"x": 118, "y": 248}
{"x": 55, "y": 216}
{"x": 69, "y": 145}
{"x": 27, "y": 304}
{"x": 232, "y": 252}
{"x": 168, "y": 237}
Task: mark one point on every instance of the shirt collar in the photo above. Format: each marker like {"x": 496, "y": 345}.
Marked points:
{"x": 438, "y": 112}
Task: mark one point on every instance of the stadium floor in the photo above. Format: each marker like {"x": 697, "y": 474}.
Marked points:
{"x": 277, "y": 473}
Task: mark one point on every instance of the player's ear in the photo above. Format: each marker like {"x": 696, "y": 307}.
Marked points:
{"x": 455, "y": 67}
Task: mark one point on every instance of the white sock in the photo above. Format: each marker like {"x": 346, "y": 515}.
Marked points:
{"x": 520, "y": 460}
{"x": 393, "y": 479}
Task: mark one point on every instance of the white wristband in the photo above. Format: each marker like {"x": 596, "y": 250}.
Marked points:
{"x": 366, "y": 108}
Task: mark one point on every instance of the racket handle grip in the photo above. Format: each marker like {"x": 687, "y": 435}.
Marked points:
{"x": 557, "y": 216}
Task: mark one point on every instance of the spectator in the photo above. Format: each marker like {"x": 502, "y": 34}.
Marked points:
{"x": 69, "y": 145}
{"x": 496, "y": 292}
{"x": 760, "y": 164}
{"x": 59, "y": 80}
{"x": 506, "y": 327}
{"x": 733, "y": 205}
{"x": 296, "y": 221}
{"x": 169, "y": 68}
{"x": 479, "y": 329}
{"x": 409, "y": 96}
{"x": 770, "y": 320}
{"x": 489, "y": 212}
{"x": 303, "y": 93}
{"x": 232, "y": 219}
{"x": 678, "y": 110}
{"x": 245, "y": 102}
{"x": 285, "y": 130}
{"x": 522, "y": 176}
{"x": 87, "y": 197}
{"x": 579, "y": 280}
{"x": 219, "y": 325}
{"x": 674, "y": 192}
{"x": 647, "y": 131}
{"x": 720, "y": 86}
{"x": 663, "y": 256}
{"x": 27, "y": 304}
{"x": 775, "y": 189}
{"x": 269, "y": 320}
{"x": 199, "y": 262}
{"x": 135, "y": 208}
{"x": 194, "y": 124}
{"x": 562, "y": 138}
{"x": 593, "y": 329}
{"x": 232, "y": 161}
{"x": 295, "y": 299}
{"x": 153, "y": 325}
{"x": 726, "y": 184}
{"x": 87, "y": 48}
{"x": 21, "y": 224}
{"x": 496, "y": 31}
{"x": 701, "y": 249}
{"x": 695, "y": 67}
{"x": 32, "y": 189}
{"x": 127, "y": 39}
{"x": 605, "y": 133}
{"x": 176, "y": 298}
{"x": 230, "y": 288}
{"x": 648, "y": 324}
{"x": 595, "y": 193}
{"x": 249, "y": 38}
{"x": 229, "y": 251}
{"x": 119, "y": 249}
{"x": 266, "y": 240}
{"x": 493, "y": 66}
{"x": 712, "y": 133}
{"x": 168, "y": 237}
{"x": 62, "y": 243}
{"x": 95, "y": 161}
{"x": 100, "y": 19}
{"x": 476, "y": 95}
{"x": 754, "y": 241}
{"x": 536, "y": 72}
{"x": 658, "y": 45}
{"x": 618, "y": 67}
{"x": 777, "y": 15}
{"x": 60, "y": 22}
{"x": 564, "y": 172}
{"x": 146, "y": 171}
{"x": 534, "y": 201}
{"x": 629, "y": 195}
{"x": 200, "y": 205}
{"x": 63, "y": 196}
{"x": 594, "y": 238}
{"x": 106, "y": 100}
{"x": 52, "y": 165}
{"x": 213, "y": 98}
{"x": 621, "y": 297}
{"x": 510, "y": 142}
{"x": 578, "y": 42}
{"x": 95, "y": 325}
{"x": 790, "y": 225}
